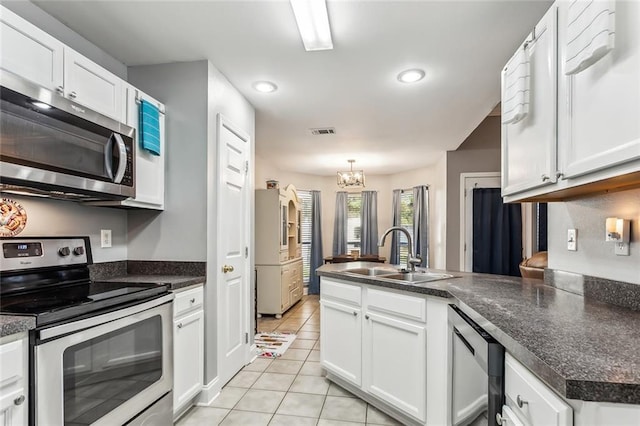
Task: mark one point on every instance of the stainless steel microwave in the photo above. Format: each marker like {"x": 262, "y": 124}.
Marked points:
{"x": 54, "y": 147}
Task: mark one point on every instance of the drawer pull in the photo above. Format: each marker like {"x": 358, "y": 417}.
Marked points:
{"x": 355, "y": 314}
{"x": 366, "y": 316}
{"x": 193, "y": 300}
{"x": 19, "y": 400}
{"x": 60, "y": 89}
{"x": 544, "y": 178}
{"x": 521, "y": 401}
{"x": 73, "y": 95}
{"x": 179, "y": 325}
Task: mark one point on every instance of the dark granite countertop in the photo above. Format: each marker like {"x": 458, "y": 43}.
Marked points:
{"x": 582, "y": 348}
{"x": 12, "y": 324}
{"x": 174, "y": 282}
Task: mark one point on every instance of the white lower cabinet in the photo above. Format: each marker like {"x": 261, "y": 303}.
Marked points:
{"x": 188, "y": 348}
{"x": 395, "y": 362}
{"x": 376, "y": 340}
{"x": 14, "y": 380}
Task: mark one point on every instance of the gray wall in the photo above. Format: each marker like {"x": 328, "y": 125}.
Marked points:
{"x": 480, "y": 152}
{"x": 595, "y": 256}
{"x": 178, "y": 232}
{"x": 66, "y": 35}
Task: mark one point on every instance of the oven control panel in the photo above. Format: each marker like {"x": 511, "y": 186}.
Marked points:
{"x": 37, "y": 252}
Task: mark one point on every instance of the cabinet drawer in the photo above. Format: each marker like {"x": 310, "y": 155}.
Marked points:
{"x": 12, "y": 358}
{"x": 334, "y": 290}
{"x": 538, "y": 404}
{"x": 188, "y": 300}
{"x": 410, "y": 307}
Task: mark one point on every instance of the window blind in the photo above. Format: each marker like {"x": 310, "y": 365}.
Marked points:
{"x": 305, "y": 229}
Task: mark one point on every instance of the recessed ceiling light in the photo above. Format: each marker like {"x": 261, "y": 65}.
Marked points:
{"x": 411, "y": 76}
{"x": 265, "y": 86}
{"x": 40, "y": 105}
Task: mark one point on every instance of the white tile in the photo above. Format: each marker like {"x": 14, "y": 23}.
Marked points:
{"x": 344, "y": 409}
{"x": 310, "y": 384}
{"x": 377, "y": 417}
{"x": 314, "y": 356}
{"x": 296, "y": 354}
{"x": 302, "y": 344}
{"x": 229, "y": 396}
{"x": 263, "y": 401}
{"x": 244, "y": 379}
{"x": 284, "y": 366}
{"x": 335, "y": 390}
{"x": 282, "y": 420}
{"x": 246, "y": 418}
{"x": 300, "y": 404}
{"x": 311, "y": 335}
{"x": 259, "y": 364}
{"x": 311, "y": 368}
{"x": 274, "y": 381}
{"x": 203, "y": 415}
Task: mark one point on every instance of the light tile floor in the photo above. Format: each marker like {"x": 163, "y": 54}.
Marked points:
{"x": 290, "y": 390}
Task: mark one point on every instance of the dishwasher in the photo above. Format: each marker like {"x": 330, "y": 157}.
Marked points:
{"x": 477, "y": 372}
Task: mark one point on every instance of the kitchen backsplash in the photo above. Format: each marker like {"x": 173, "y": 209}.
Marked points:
{"x": 594, "y": 256}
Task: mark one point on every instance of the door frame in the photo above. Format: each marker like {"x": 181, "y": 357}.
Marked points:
{"x": 463, "y": 210}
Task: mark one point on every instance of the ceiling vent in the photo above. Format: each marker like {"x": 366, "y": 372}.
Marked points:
{"x": 323, "y": 131}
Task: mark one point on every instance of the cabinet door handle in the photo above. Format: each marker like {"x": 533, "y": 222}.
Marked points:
{"x": 544, "y": 178}
{"x": 366, "y": 316}
{"x": 193, "y": 300}
{"x": 500, "y": 420}
{"x": 179, "y": 325}
{"x": 355, "y": 314}
{"x": 60, "y": 89}
{"x": 19, "y": 400}
{"x": 73, "y": 95}
{"x": 559, "y": 175}
{"x": 521, "y": 401}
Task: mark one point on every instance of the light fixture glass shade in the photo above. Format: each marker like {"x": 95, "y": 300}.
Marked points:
{"x": 351, "y": 178}
{"x": 313, "y": 24}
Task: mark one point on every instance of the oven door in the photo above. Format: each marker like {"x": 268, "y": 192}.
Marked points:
{"x": 104, "y": 370}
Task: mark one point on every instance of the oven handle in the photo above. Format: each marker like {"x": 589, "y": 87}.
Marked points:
{"x": 72, "y": 327}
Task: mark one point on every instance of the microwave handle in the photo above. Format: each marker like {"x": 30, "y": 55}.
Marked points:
{"x": 108, "y": 158}
{"x": 122, "y": 164}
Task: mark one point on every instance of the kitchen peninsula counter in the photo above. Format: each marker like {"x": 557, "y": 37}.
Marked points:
{"x": 583, "y": 348}
{"x": 14, "y": 324}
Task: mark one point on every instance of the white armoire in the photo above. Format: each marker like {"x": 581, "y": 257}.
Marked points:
{"x": 278, "y": 250}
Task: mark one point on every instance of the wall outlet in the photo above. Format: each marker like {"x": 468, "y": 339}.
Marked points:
{"x": 622, "y": 249}
{"x": 105, "y": 238}
{"x": 572, "y": 239}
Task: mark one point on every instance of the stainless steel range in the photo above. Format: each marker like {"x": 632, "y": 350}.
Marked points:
{"x": 101, "y": 353}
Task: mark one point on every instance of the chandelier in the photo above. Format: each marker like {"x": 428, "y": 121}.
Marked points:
{"x": 351, "y": 178}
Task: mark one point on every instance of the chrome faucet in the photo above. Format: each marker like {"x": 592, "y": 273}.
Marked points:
{"x": 411, "y": 261}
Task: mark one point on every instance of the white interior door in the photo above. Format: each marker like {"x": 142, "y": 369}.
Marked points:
{"x": 469, "y": 181}
{"x": 233, "y": 230}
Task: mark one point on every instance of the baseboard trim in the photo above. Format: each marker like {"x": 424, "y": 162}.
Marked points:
{"x": 209, "y": 393}
{"x": 253, "y": 353}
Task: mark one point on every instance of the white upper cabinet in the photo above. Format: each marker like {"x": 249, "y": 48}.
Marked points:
{"x": 29, "y": 52}
{"x": 599, "y": 110}
{"x": 529, "y": 145}
{"x": 149, "y": 167}
{"x": 34, "y": 55}
{"x": 89, "y": 84}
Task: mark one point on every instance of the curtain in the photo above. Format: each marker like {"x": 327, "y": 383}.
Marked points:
{"x": 394, "y": 259}
{"x": 340, "y": 224}
{"x": 497, "y": 233}
{"x": 369, "y": 223}
{"x": 315, "y": 257}
{"x": 421, "y": 223}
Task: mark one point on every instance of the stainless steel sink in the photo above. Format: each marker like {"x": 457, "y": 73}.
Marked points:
{"x": 417, "y": 277}
{"x": 394, "y": 274}
{"x": 372, "y": 272}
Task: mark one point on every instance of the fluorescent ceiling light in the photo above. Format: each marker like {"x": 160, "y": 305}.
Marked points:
{"x": 411, "y": 76}
{"x": 265, "y": 86}
{"x": 313, "y": 24}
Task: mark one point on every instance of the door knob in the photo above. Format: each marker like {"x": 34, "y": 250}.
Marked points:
{"x": 227, "y": 268}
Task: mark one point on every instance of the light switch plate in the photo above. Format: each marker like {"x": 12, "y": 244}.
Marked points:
{"x": 572, "y": 239}
{"x": 105, "y": 238}
{"x": 622, "y": 249}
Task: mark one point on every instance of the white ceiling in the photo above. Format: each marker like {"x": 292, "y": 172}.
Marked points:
{"x": 385, "y": 125}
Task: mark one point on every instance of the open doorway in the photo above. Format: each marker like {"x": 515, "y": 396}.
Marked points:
{"x": 504, "y": 234}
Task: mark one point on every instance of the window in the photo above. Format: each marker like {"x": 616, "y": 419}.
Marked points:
{"x": 305, "y": 233}
{"x": 406, "y": 221}
{"x": 354, "y": 205}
